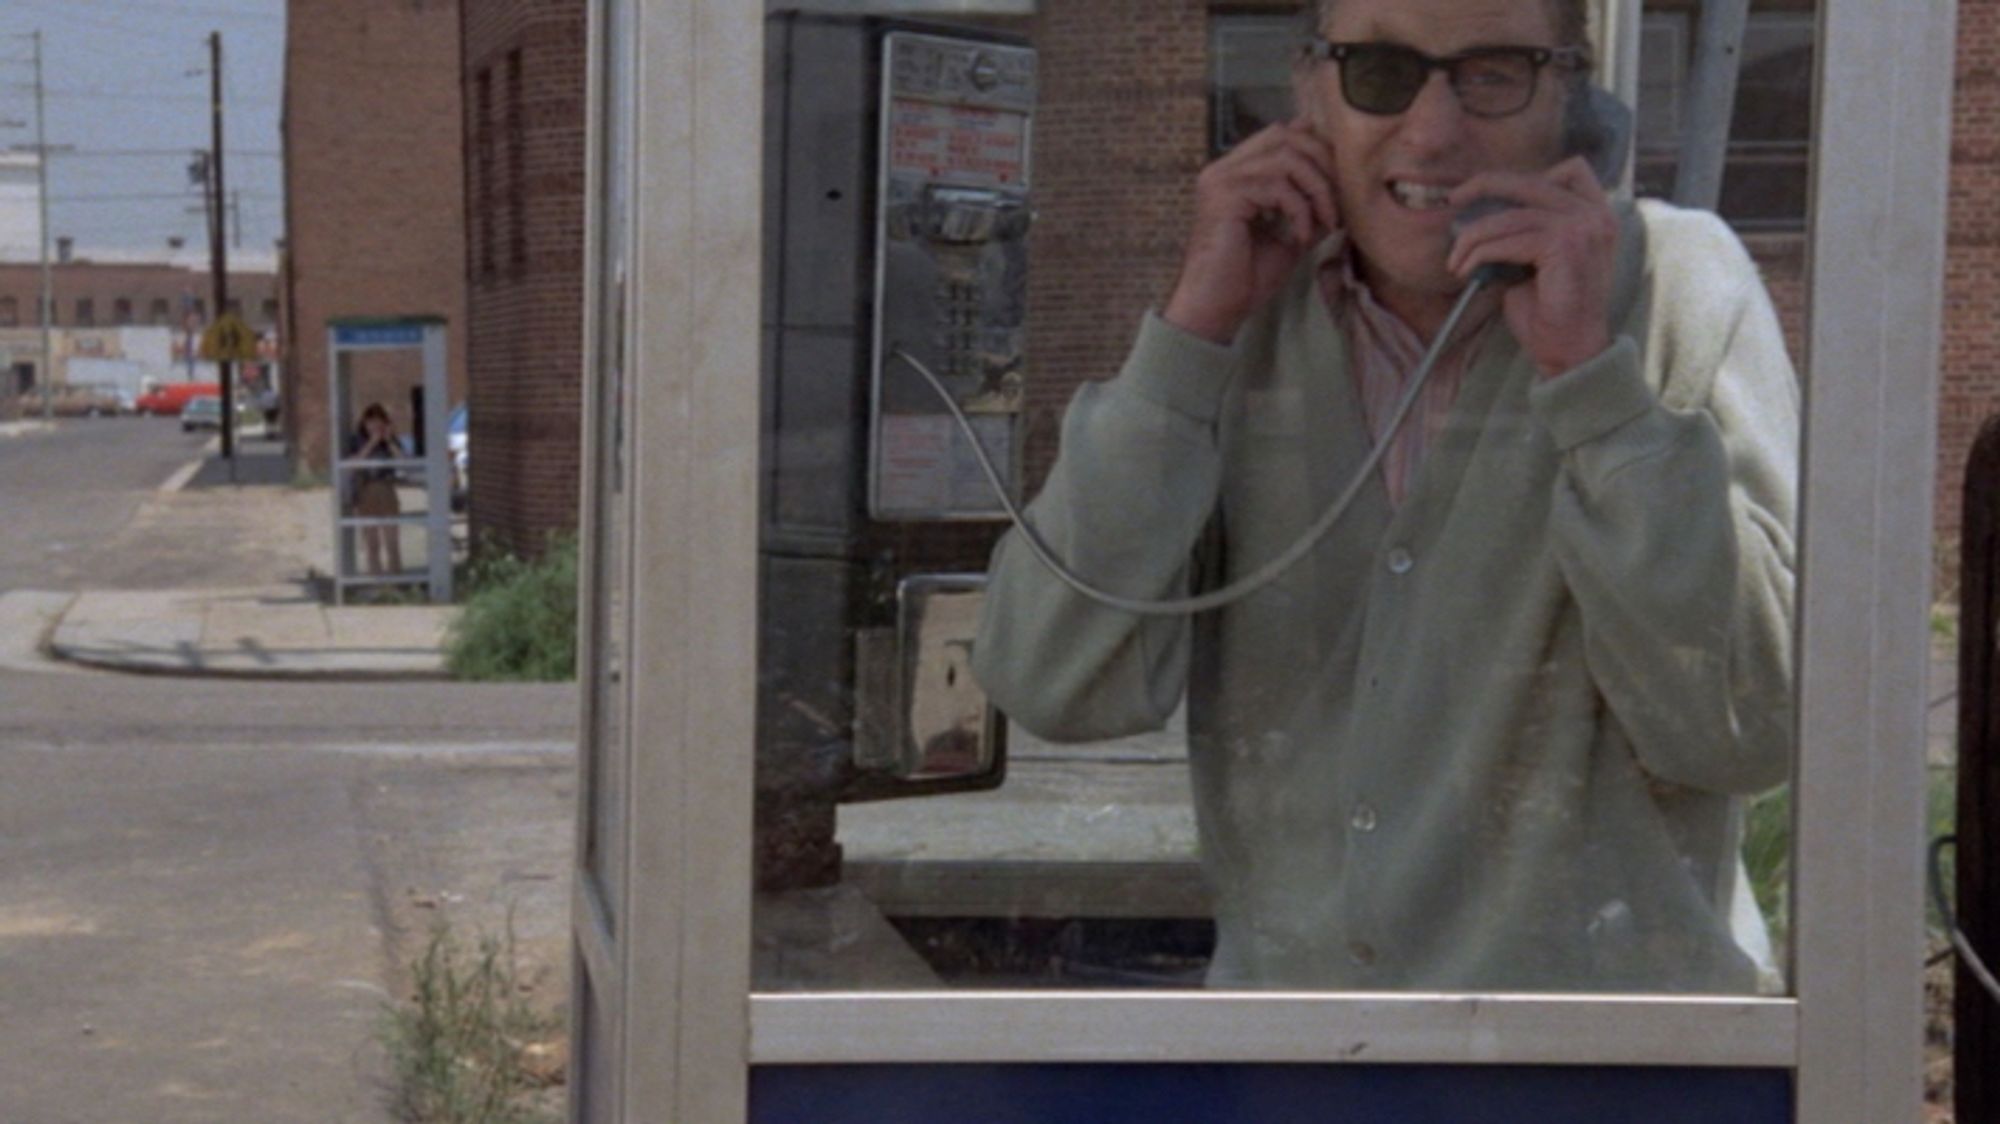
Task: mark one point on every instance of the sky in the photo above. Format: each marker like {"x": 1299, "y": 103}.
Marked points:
{"x": 126, "y": 87}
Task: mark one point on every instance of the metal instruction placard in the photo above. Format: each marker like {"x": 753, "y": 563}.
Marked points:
{"x": 951, "y": 274}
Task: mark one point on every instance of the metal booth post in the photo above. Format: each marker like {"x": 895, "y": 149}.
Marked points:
{"x": 424, "y": 456}
{"x": 666, "y": 1022}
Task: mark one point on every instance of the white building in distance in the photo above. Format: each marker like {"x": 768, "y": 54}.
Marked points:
{"x": 20, "y": 212}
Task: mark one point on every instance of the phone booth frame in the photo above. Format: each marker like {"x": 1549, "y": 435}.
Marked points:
{"x": 424, "y": 335}
{"x": 665, "y": 1026}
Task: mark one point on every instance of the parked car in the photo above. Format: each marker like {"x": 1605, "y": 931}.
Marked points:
{"x": 168, "y": 399}
{"x": 203, "y": 412}
{"x": 458, "y": 440}
{"x": 86, "y": 400}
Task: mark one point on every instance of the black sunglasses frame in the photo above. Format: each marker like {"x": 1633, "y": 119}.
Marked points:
{"x": 1572, "y": 59}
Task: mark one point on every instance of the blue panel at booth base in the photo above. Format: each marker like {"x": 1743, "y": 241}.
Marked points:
{"x": 1265, "y": 1094}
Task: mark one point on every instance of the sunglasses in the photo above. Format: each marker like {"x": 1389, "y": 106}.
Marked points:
{"x": 1384, "y": 78}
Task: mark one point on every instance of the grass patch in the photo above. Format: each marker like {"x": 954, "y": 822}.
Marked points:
{"x": 1942, "y": 819}
{"x": 519, "y": 617}
{"x": 461, "y": 1051}
{"x": 1944, "y": 622}
{"x": 1767, "y": 855}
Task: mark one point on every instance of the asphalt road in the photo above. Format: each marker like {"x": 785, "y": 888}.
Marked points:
{"x": 67, "y": 493}
{"x": 209, "y": 890}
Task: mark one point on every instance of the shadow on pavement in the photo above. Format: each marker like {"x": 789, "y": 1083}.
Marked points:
{"x": 258, "y": 461}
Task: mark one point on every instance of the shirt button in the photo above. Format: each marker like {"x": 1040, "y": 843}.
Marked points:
{"x": 1363, "y": 819}
{"x": 1361, "y": 952}
{"x": 1400, "y": 561}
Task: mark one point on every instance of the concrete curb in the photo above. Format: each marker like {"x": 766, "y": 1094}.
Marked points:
{"x": 303, "y": 666}
{"x": 270, "y": 633}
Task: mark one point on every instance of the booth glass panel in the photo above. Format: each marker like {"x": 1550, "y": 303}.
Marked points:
{"x": 388, "y": 553}
{"x": 1514, "y": 724}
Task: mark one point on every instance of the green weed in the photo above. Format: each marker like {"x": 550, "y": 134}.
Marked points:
{"x": 519, "y": 618}
{"x": 1767, "y": 853}
{"x": 1767, "y": 846}
{"x": 1944, "y": 622}
{"x": 457, "y": 1050}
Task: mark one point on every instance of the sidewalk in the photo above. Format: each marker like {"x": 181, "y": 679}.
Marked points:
{"x": 272, "y": 632}
{"x": 270, "y": 624}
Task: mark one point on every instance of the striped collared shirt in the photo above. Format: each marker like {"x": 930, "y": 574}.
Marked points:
{"x": 1384, "y": 352}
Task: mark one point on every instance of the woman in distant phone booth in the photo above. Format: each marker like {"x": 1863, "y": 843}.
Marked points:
{"x": 374, "y": 489}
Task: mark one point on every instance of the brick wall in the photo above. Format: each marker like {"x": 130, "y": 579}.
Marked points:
{"x": 140, "y": 285}
{"x": 374, "y": 184}
{"x": 1971, "y": 361}
{"x": 1781, "y": 259}
{"x": 524, "y": 89}
{"x": 1121, "y": 128}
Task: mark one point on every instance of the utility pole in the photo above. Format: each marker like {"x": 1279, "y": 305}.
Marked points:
{"x": 42, "y": 200}
{"x": 218, "y": 243}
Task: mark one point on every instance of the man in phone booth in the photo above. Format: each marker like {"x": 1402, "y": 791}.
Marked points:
{"x": 1496, "y": 730}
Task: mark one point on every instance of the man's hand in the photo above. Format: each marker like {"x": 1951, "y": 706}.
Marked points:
{"x": 1563, "y": 228}
{"x": 1258, "y": 209}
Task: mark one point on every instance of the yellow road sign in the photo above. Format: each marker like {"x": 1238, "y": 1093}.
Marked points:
{"x": 229, "y": 340}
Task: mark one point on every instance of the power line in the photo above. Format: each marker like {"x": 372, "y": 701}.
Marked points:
{"x": 134, "y": 95}
{"x": 131, "y": 197}
{"x": 66, "y": 13}
{"x": 183, "y": 153}
{"x": 141, "y": 197}
{"x": 180, "y": 9}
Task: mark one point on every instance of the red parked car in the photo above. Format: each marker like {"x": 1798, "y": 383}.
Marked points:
{"x": 168, "y": 399}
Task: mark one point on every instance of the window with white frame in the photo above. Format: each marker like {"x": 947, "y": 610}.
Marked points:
{"x": 1250, "y": 74}
{"x": 1764, "y": 183}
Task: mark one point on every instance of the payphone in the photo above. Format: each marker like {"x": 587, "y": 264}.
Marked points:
{"x": 896, "y": 215}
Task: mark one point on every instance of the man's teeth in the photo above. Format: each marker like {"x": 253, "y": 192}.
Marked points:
{"x": 1419, "y": 196}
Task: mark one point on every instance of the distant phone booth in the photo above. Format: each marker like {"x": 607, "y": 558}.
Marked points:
{"x": 754, "y": 459}
{"x": 391, "y": 499}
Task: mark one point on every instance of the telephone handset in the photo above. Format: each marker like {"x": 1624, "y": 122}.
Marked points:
{"x": 1596, "y": 126}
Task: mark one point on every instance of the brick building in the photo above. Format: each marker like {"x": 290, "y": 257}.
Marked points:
{"x": 93, "y": 294}
{"x": 104, "y": 295}
{"x": 523, "y": 93}
{"x": 1135, "y": 96}
{"x": 374, "y": 189}
{"x": 1121, "y": 129}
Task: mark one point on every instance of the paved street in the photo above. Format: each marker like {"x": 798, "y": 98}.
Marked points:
{"x": 86, "y": 509}
{"x": 208, "y": 888}
{"x": 67, "y": 493}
